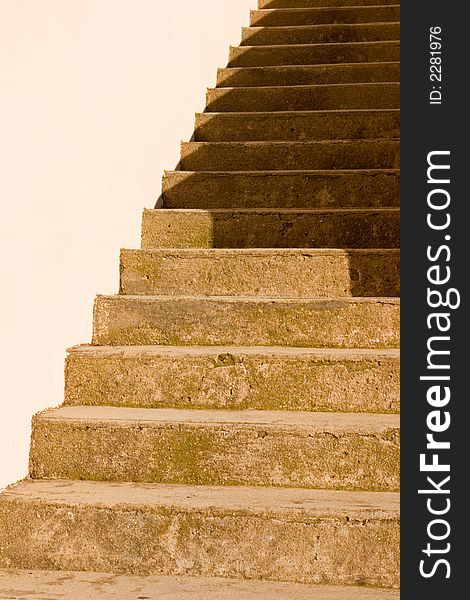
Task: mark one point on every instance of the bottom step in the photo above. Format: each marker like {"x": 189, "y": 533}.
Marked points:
{"x": 290, "y": 535}
{"x": 56, "y": 585}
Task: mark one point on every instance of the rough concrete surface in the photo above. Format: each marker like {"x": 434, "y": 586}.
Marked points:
{"x": 303, "y": 536}
{"x": 319, "y": 15}
{"x": 359, "y": 229}
{"x": 309, "y": 125}
{"x": 241, "y": 321}
{"x": 234, "y": 378}
{"x": 313, "y": 54}
{"x": 351, "y": 96}
{"x": 266, "y": 156}
{"x": 67, "y": 585}
{"x": 281, "y": 189}
{"x": 309, "y": 74}
{"x": 298, "y": 449}
{"x": 270, "y": 273}
{"x": 320, "y": 34}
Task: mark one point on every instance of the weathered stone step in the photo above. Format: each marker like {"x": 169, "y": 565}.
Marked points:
{"x": 320, "y": 34}
{"x": 314, "y": 54}
{"x": 325, "y": 3}
{"x": 264, "y": 273}
{"x": 271, "y": 228}
{"x": 300, "y": 97}
{"x": 281, "y": 189}
{"x": 309, "y": 74}
{"x": 320, "y": 15}
{"x": 260, "y": 378}
{"x": 299, "y": 535}
{"x": 79, "y": 585}
{"x": 281, "y": 156}
{"x": 297, "y": 126}
{"x": 225, "y": 321}
{"x": 215, "y": 447}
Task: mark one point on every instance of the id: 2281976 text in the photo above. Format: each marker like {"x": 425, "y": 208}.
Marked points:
{"x": 435, "y": 65}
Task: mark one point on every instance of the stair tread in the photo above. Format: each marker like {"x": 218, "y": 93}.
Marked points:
{"x": 359, "y": 423}
{"x": 328, "y": 45}
{"x": 322, "y": 86}
{"x": 293, "y": 144}
{"x": 334, "y": 8}
{"x": 295, "y": 74}
{"x": 56, "y": 585}
{"x": 361, "y": 24}
{"x": 315, "y": 502}
{"x": 323, "y": 353}
{"x": 318, "y": 67}
{"x": 276, "y": 113}
{"x": 320, "y": 3}
{"x": 254, "y": 299}
{"x": 285, "y": 172}
{"x": 269, "y": 211}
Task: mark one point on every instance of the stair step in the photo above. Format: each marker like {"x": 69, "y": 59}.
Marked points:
{"x": 225, "y": 321}
{"x": 320, "y": 34}
{"x": 271, "y": 228}
{"x": 300, "y": 97}
{"x": 281, "y": 189}
{"x": 299, "y": 535}
{"x": 326, "y": 3}
{"x": 324, "y": 15}
{"x": 57, "y": 585}
{"x": 314, "y": 54}
{"x": 264, "y": 273}
{"x": 297, "y": 126}
{"x": 260, "y": 378}
{"x": 267, "y": 156}
{"x": 214, "y": 447}
{"x": 309, "y": 74}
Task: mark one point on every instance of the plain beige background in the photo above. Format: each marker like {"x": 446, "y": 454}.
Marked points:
{"x": 95, "y": 96}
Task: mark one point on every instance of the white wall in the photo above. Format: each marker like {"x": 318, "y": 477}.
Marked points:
{"x": 95, "y": 96}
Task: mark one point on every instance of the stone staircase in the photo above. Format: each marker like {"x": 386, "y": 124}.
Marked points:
{"x": 236, "y": 415}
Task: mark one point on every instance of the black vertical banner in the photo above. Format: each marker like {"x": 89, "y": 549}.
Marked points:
{"x": 435, "y": 496}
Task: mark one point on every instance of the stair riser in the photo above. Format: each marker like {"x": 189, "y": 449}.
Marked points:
{"x": 300, "y": 276}
{"x": 233, "y": 380}
{"x": 251, "y": 229}
{"x": 134, "y": 539}
{"x": 225, "y": 454}
{"x": 354, "y": 189}
{"x": 320, "y": 3}
{"x": 258, "y": 56}
{"x": 336, "y": 97}
{"x": 320, "y": 34}
{"x": 309, "y": 75}
{"x": 319, "y": 16}
{"x": 380, "y": 154}
{"x": 197, "y": 321}
{"x": 230, "y": 127}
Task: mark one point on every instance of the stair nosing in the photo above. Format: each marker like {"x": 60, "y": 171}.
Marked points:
{"x": 296, "y": 46}
{"x": 394, "y": 300}
{"x": 294, "y": 143}
{"x": 158, "y": 350}
{"x": 268, "y": 211}
{"x": 314, "y": 9}
{"x": 318, "y": 25}
{"x": 246, "y": 499}
{"x": 103, "y": 416}
{"x": 309, "y": 86}
{"x": 322, "y": 65}
{"x": 284, "y": 172}
{"x": 297, "y": 112}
